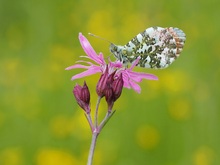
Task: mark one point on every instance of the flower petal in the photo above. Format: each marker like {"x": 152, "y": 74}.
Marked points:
{"x": 77, "y": 66}
{"x": 116, "y": 64}
{"x": 135, "y": 63}
{"x": 139, "y": 76}
{"x": 135, "y": 86}
{"x": 90, "y": 51}
{"x": 129, "y": 83}
{"x": 126, "y": 85}
{"x": 92, "y": 70}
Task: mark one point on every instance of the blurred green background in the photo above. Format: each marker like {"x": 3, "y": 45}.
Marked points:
{"x": 174, "y": 121}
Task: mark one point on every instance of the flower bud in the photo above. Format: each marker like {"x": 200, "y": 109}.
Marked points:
{"x": 101, "y": 85}
{"x": 109, "y": 97}
{"x": 113, "y": 89}
{"x": 117, "y": 87}
{"x": 110, "y": 79}
{"x": 82, "y": 96}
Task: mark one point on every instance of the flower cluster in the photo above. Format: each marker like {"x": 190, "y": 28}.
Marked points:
{"x": 130, "y": 78}
{"x": 110, "y": 86}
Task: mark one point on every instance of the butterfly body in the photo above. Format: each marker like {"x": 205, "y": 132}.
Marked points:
{"x": 156, "y": 47}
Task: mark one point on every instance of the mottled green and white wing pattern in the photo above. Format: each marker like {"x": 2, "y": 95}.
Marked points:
{"x": 156, "y": 47}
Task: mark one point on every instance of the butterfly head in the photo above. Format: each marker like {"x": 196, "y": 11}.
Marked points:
{"x": 119, "y": 52}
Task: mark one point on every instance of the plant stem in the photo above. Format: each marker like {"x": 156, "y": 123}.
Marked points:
{"x": 95, "y": 132}
{"x": 88, "y": 117}
{"x": 96, "y": 112}
{"x": 105, "y": 120}
{"x": 96, "y": 129}
{"x": 92, "y": 147}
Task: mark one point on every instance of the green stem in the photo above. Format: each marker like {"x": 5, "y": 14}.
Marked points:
{"x": 96, "y": 129}
{"x": 96, "y": 111}
{"x": 105, "y": 120}
{"x": 88, "y": 117}
{"x": 92, "y": 147}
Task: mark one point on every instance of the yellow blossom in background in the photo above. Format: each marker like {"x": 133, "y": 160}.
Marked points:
{"x": 147, "y": 137}
{"x": 62, "y": 126}
{"x": 204, "y": 156}
{"x": 180, "y": 109}
{"x": 176, "y": 81}
{"x": 55, "y": 157}
{"x": 11, "y": 156}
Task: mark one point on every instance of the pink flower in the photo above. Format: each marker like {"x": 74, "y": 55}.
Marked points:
{"x": 130, "y": 77}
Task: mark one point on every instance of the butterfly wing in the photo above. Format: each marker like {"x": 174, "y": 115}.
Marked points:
{"x": 158, "y": 47}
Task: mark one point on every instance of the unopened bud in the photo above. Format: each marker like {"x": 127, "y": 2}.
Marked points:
{"x": 101, "y": 85}
{"x": 109, "y": 97}
{"x": 117, "y": 86}
{"x": 82, "y": 96}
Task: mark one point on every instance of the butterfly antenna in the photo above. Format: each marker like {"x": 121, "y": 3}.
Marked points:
{"x": 103, "y": 40}
{"x": 99, "y": 37}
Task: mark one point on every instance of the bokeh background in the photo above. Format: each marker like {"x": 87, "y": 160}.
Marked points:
{"x": 174, "y": 121}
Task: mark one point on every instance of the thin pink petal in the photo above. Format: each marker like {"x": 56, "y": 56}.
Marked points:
{"x": 130, "y": 78}
{"x": 116, "y": 64}
{"x": 128, "y": 83}
{"x": 135, "y": 86}
{"x": 101, "y": 58}
{"x": 76, "y": 66}
{"x": 89, "y": 50}
{"x": 125, "y": 77}
{"x": 87, "y": 62}
{"x": 135, "y": 63}
{"x": 90, "y": 71}
{"x": 139, "y": 76}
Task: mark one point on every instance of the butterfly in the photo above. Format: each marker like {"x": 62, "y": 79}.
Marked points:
{"x": 156, "y": 47}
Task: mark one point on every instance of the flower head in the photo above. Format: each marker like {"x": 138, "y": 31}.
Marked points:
{"x": 130, "y": 78}
{"x": 110, "y": 86}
